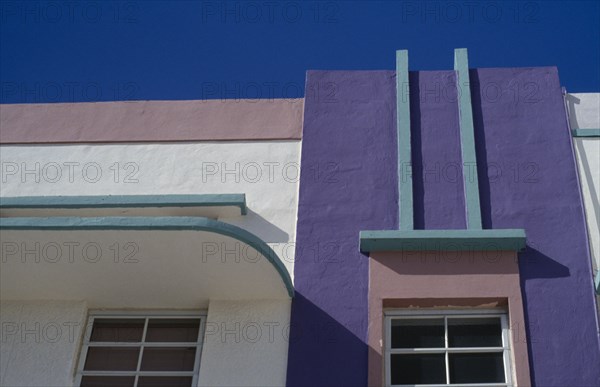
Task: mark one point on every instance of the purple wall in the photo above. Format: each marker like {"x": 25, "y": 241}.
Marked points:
{"x": 349, "y": 123}
{"x": 522, "y": 136}
{"x": 348, "y": 183}
{"x": 439, "y": 199}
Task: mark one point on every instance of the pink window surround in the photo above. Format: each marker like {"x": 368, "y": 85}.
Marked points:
{"x": 152, "y": 121}
{"x": 441, "y": 280}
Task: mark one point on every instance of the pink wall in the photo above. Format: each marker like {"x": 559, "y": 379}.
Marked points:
{"x": 445, "y": 279}
{"x": 152, "y": 121}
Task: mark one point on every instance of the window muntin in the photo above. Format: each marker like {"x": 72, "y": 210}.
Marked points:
{"x": 141, "y": 350}
{"x": 447, "y": 347}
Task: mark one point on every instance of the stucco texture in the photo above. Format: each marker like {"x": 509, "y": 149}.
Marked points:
{"x": 40, "y": 342}
{"x": 528, "y": 180}
{"x": 584, "y": 113}
{"x": 354, "y": 132}
{"x": 266, "y": 171}
{"x": 245, "y": 343}
{"x": 152, "y": 121}
{"x": 443, "y": 279}
{"x": 527, "y": 132}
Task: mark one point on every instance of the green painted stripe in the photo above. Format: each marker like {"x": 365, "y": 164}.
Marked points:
{"x": 585, "y": 132}
{"x": 125, "y": 201}
{"x": 405, "y": 181}
{"x": 443, "y": 240}
{"x": 467, "y": 140}
{"x": 179, "y": 223}
{"x": 597, "y": 283}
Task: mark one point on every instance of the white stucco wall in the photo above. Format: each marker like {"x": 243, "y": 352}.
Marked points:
{"x": 246, "y": 344}
{"x": 584, "y": 113}
{"x": 40, "y": 342}
{"x": 266, "y": 171}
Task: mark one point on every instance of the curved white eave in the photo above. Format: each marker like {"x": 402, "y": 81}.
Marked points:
{"x": 180, "y": 261}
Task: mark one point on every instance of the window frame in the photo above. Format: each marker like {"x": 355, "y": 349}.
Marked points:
{"x": 146, "y": 315}
{"x": 408, "y": 314}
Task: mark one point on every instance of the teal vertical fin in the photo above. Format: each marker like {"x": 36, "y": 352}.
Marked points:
{"x": 405, "y": 181}
{"x": 467, "y": 140}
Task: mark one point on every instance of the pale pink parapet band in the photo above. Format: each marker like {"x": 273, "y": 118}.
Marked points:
{"x": 152, "y": 121}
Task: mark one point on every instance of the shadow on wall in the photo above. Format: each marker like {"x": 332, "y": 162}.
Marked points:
{"x": 271, "y": 233}
{"x": 587, "y": 171}
{"x": 571, "y": 102}
{"x": 417, "y": 152}
{"x": 315, "y": 339}
{"x": 533, "y": 263}
{"x": 545, "y": 267}
{"x": 260, "y": 227}
{"x": 481, "y": 153}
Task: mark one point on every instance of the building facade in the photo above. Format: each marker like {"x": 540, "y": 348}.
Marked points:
{"x": 390, "y": 228}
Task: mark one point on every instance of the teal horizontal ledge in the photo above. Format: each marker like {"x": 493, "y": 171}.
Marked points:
{"x": 125, "y": 201}
{"x": 442, "y": 240}
{"x": 138, "y": 223}
{"x": 585, "y": 132}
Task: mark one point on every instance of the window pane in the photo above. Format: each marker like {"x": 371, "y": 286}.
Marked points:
{"x": 107, "y": 381}
{"x": 168, "y": 359}
{"x": 117, "y": 330}
{"x": 173, "y": 330}
{"x": 474, "y": 332}
{"x": 418, "y": 369}
{"x": 476, "y": 368}
{"x": 418, "y": 333}
{"x": 165, "y": 381}
{"x": 111, "y": 359}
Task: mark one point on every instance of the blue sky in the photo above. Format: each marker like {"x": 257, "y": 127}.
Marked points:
{"x": 64, "y": 51}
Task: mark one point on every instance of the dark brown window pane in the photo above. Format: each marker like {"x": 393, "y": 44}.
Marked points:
{"x": 117, "y": 330}
{"x": 165, "y": 381}
{"x": 474, "y": 332}
{"x": 418, "y": 333}
{"x": 418, "y": 369}
{"x": 107, "y": 381}
{"x": 168, "y": 359}
{"x": 476, "y": 367}
{"x": 111, "y": 359}
{"x": 173, "y": 330}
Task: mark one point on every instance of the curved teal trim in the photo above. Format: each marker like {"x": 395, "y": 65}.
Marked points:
{"x": 125, "y": 201}
{"x": 179, "y": 223}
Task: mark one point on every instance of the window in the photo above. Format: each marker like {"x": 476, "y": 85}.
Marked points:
{"x": 141, "y": 350}
{"x": 440, "y": 348}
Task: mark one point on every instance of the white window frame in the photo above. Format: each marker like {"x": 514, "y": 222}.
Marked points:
{"x": 146, "y": 315}
{"x": 406, "y": 314}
